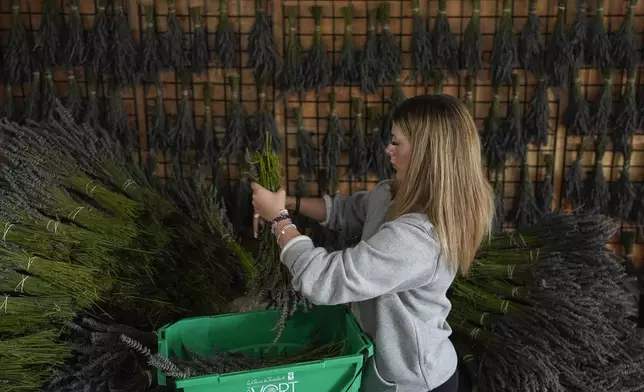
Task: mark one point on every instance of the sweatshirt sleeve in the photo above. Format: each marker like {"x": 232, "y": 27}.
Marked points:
{"x": 402, "y": 255}
{"x": 346, "y": 213}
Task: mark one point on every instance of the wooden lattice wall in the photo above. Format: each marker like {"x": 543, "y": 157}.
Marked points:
{"x": 315, "y": 111}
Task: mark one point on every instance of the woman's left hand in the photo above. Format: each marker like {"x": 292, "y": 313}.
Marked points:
{"x": 267, "y": 204}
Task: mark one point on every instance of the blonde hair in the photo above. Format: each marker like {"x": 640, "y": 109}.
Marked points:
{"x": 445, "y": 178}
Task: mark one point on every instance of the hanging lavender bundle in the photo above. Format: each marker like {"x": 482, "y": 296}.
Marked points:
{"x": 317, "y": 65}
{"x": 347, "y": 70}
{"x": 602, "y": 106}
{"x": 526, "y": 212}
{"x": 397, "y": 97}
{"x": 225, "y": 38}
{"x": 637, "y": 212}
{"x": 390, "y": 53}
{"x": 17, "y": 55}
{"x": 444, "y": 42}
{"x": 237, "y": 136}
{"x": 98, "y": 46}
{"x": 74, "y": 52}
{"x": 622, "y": 192}
{"x": 48, "y": 96}
{"x": 493, "y": 142}
{"x": 7, "y": 108}
{"x": 209, "y": 146}
{"x": 200, "y": 53}
{"x": 370, "y": 57}
{"x": 573, "y": 182}
{"x": 499, "y": 201}
{"x": 158, "y": 128}
{"x": 153, "y": 56}
{"x": 622, "y": 42}
{"x": 530, "y": 45}
{"x": 379, "y": 162}
{"x": 421, "y": 47}
{"x": 333, "y": 145}
{"x": 305, "y": 147}
{"x": 576, "y": 117}
{"x": 184, "y": 131}
{"x": 512, "y": 131}
{"x": 596, "y": 193}
{"x": 33, "y": 99}
{"x": 626, "y": 118}
{"x": 48, "y": 46}
{"x": 263, "y": 123}
{"x": 358, "y": 154}
{"x": 469, "y": 94}
{"x": 290, "y": 78}
{"x": 117, "y": 122}
{"x": 537, "y": 115}
{"x": 544, "y": 191}
{"x": 471, "y": 51}
{"x": 123, "y": 48}
{"x": 504, "y": 50}
{"x": 597, "y": 52}
{"x": 262, "y": 49}
{"x": 439, "y": 77}
{"x": 74, "y": 102}
{"x": 176, "y": 45}
{"x": 93, "y": 116}
{"x": 577, "y": 34}
{"x": 558, "y": 56}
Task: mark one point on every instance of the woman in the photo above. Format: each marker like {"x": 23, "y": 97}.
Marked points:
{"x": 417, "y": 231}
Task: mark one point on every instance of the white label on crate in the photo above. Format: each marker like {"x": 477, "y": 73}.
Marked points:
{"x": 273, "y": 384}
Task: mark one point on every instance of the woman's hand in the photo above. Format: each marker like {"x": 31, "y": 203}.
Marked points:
{"x": 266, "y": 204}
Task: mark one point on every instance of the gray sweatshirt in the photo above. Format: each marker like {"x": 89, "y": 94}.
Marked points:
{"x": 397, "y": 281}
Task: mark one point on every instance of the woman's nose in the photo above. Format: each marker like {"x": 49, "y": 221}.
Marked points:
{"x": 389, "y": 150}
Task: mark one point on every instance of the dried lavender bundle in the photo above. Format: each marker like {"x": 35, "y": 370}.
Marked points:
{"x": 637, "y": 212}
{"x": 558, "y": 55}
{"x": 48, "y": 97}
{"x": 493, "y": 142}
{"x": 370, "y": 56}
{"x": 226, "y": 48}
{"x": 48, "y": 46}
{"x": 237, "y": 136}
{"x": 573, "y": 182}
{"x": 380, "y": 164}
{"x": 504, "y": 50}
{"x": 499, "y": 201}
{"x": 262, "y": 49}
{"x": 74, "y": 101}
{"x": 530, "y": 46}
{"x": 471, "y": 51}
{"x": 263, "y": 124}
{"x": 622, "y": 196}
{"x": 512, "y": 130}
{"x": 316, "y": 63}
{"x": 421, "y": 47}
{"x": 333, "y": 145}
{"x": 158, "y": 130}
{"x": 153, "y": 56}
{"x": 526, "y": 212}
{"x": 117, "y": 122}
{"x": 358, "y": 153}
{"x": 290, "y": 78}
{"x": 469, "y": 94}
{"x": 390, "y": 53}
{"x": 537, "y": 114}
{"x": 576, "y": 117}
{"x": 176, "y": 45}
{"x": 208, "y": 143}
{"x": 184, "y": 131}
{"x": 17, "y": 55}
{"x": 625, "y": 120}
{"x": 598, "y": 50}
{"x": 347, "y": 70}
{"x": 7, "y": 109}
{"x": 123, "y": 48}
{"x": 199, "y": 51}
{"x": 577, "y": 34}
{"x": 93, "y": 115}
{"x": 33, "y": 99}
{"x": 596, "y": 192}
{"x": 305, "y": 147}
{"x": 624, "y": 52}
{"x": 602, "y": 107}
{"x": 75, "y": 52}
{"x": 98, "y": 42}
{"x": 444, "y": 42}
{"x": 544, "y": 189}
{"x": 397, "y": 97}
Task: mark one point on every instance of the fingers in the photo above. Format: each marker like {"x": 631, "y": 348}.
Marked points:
{"x": 255, "y": 185}
{"x": 256, "y": 224}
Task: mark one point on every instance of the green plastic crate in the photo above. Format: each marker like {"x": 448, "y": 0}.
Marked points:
{"x": 250, "y": 333}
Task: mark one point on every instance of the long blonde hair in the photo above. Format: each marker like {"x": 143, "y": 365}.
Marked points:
{"x": 445, "y": 178}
